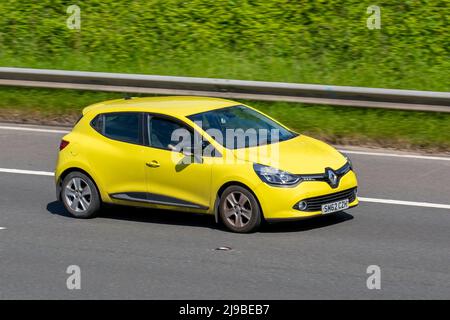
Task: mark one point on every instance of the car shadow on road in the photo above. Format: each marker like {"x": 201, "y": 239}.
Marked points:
{"x": 145, "y": 215}
{"x": 200, "y": 220}
{"x": 56, "y": 207}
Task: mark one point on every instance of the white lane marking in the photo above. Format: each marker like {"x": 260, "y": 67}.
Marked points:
{"x": 362, "y": 199}
{"x": 34, "y": 129}
{"x": 378, "y": 154}
{"x": 382, "y": 154}
{"x": 2, "y": 228}
{"x": 32, "y": 172}
{"x": 406, "y": 203}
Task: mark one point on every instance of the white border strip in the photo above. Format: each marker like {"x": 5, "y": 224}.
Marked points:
{"x": 382, "y": 154}
{"x": 406, "y": 203}
{"x": 33, "y": 129}
{"x": 32, "y": 172}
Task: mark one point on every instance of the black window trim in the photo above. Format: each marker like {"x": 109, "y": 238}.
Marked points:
{"x": 78, "y": 120}
{"x": 102, "y": 132}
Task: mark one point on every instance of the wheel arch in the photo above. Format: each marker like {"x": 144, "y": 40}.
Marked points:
{"x": 66, "y": 172}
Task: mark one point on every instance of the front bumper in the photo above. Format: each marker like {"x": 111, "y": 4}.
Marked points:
{"x": 279, "y": 203}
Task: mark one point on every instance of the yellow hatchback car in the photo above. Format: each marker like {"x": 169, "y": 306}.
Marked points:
{"x": 203, "y": 155}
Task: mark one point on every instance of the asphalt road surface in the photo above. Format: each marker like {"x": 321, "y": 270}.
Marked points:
{"x": 129, "y": 253}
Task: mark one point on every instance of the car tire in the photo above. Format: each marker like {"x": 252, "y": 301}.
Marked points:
{"x": 239, "y": 210}
{"x": 80, "y": 195}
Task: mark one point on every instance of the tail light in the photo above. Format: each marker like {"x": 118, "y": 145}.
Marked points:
{"x": 63, "y": 144}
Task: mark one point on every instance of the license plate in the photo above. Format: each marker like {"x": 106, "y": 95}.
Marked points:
{"x": 335, "y": 206}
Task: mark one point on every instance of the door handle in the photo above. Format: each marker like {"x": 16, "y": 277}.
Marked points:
{"x": 153, "y": 164}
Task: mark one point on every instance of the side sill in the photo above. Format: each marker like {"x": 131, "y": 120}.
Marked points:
{"x": 155, "y": 199}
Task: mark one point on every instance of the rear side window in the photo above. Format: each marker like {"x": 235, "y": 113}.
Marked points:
{"x": 97, "y": 123}
{"x": 123, "y": 126}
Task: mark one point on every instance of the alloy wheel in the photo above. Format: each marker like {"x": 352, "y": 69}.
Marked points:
{"x": 78, "y": 195}
{"x": 238, "y": 209}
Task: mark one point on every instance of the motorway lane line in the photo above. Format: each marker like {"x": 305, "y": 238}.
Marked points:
{"x": 382, "y": 154}
{"x": 2, "y": 228}
{"x": 378, "y": 154}
{"x": 34, "y": 129}
{"x": 406, "y": 203}
{"x": 362, "y": 199}
{"x": 32, "y": 172}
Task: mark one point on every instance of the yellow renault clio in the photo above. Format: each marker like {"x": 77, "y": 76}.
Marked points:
{"x": 198, "y": 154}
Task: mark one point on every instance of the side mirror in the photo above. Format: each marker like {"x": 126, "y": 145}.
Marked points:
{"x": 195, "y": 155}
{"x": 191, "y": 154}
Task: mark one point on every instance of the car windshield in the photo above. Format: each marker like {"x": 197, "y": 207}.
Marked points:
{"x": 241, "y": 127}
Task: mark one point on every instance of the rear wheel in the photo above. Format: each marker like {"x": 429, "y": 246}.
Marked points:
{"x": 80, "y": 195}
{"x": 239, "y": 210}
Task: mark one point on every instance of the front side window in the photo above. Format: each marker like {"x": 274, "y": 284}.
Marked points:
{"x": 167, "y": 134}
{"x": 121, "y": 126}
{"x": 175, "y": 136}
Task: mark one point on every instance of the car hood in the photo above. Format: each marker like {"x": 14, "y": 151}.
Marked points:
{"x": 299, "y": 155}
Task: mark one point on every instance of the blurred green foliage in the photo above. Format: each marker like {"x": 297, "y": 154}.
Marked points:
{"x": 282, "y": 40}
{"x": 318, "y": 41}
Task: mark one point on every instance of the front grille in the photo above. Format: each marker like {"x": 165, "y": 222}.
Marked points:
{"x": 315, "y": 203}
{"x": 342, "y": 171}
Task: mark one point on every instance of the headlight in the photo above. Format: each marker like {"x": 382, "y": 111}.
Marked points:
{"x": 275, "y": 176}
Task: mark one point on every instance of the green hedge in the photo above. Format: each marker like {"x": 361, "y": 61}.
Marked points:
{"x": 319, "y": 41}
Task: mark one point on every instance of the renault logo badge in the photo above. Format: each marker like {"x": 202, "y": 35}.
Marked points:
{"x": 332, "y": 177}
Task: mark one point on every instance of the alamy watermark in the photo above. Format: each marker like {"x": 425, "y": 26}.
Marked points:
{"x": 247, "y": 144}
{"x": 73, "y": 282}
{"x": 374, "y": 20}
{"x": 374, "y": 280}
{"x": 73, "y": 22}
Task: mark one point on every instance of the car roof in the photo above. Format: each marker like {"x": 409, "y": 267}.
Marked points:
{"x": 180, "y": 106}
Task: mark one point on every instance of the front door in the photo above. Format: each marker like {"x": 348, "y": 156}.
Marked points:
{"x": 171, "y": 179}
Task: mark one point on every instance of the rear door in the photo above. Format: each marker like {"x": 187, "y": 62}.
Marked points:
{"x": 117, "y": 152}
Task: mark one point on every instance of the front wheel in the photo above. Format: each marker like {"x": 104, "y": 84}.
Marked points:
{"x": 239, "y": 210}
{"x": 80, "y": 195}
